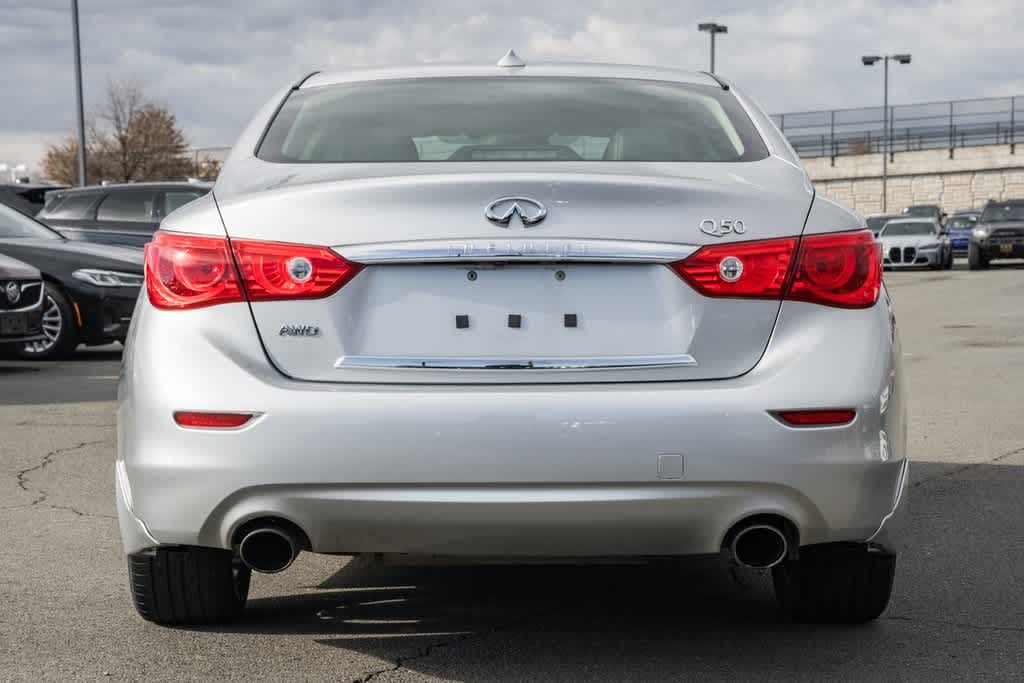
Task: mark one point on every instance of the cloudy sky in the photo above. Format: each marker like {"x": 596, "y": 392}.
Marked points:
{"x": 213, "y": 62}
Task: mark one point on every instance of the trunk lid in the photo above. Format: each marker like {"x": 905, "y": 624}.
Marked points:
{"x": 448, "y": 296}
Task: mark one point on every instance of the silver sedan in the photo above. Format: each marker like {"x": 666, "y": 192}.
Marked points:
{"x": 519, "y": 311}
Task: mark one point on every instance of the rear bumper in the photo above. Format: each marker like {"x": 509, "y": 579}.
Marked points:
{"x": 1002, "y": 247}
{"x": 613, "y": 469}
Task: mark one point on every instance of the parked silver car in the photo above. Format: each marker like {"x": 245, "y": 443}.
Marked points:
{"x": 916, "y": 242}
{"x": 518, "y": 311}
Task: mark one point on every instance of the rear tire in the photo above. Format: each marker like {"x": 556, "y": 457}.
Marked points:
{"x": 182, "y": 585}
{"x": 975, "y": 259}
{"x": 844, "y": 584}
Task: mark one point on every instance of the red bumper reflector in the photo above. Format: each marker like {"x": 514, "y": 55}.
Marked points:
{"x": 816, "y": 418}
{"x": 211, "y": 420}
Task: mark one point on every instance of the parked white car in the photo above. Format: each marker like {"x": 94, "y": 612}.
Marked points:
{"x": 916, "y": 242}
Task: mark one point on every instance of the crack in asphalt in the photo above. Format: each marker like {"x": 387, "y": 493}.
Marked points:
{"x": 42, "y": 495}
{"x": 963, "y": 468}
{"x": 958, "y": 624}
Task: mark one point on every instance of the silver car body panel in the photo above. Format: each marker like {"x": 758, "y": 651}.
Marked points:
{"x": 467, "y": 469}
{"x": 556, "y": 460}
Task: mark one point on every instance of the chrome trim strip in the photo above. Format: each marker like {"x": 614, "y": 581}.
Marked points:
{"x": 451, "y": 363}
{"x": 521, "y": 249}
{"x": 101, "y": 231}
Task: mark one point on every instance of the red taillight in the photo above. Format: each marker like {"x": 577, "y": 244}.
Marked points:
{"x": 837, "y": 269}
{"x": 761, "y": 271}
{"x": 192, "y": 271}
{"x": 816, "y": 418}
{"x": 275, "y": 270}
{"x": 204, "y": 420}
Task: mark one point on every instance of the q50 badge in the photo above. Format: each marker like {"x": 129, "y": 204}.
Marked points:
{"x": 709, "y": 226}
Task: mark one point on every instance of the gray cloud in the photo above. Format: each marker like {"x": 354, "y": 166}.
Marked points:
{"x": 213, "y": 62}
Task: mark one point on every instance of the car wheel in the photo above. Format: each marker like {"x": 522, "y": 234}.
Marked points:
{"x": 975, "y": 259}
{"x": 58, "y": 326}
{"x": 949, "y": 259}
{"x": 847, "y": 584}
{"x": 184, "y": 585}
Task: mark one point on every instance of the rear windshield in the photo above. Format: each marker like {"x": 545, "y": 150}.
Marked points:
{"x": 511, "y": 119}
{"x": 961, "y": 222}
{"x": 921, "y": 211}
{"x": 1003, "y": 212}
{"x": 71, "y": 206}
{"x": 897, "y": 229}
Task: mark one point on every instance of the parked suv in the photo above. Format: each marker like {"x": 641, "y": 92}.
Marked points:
{"x": 117, "y": 214}
{"x": 999, "y": 234}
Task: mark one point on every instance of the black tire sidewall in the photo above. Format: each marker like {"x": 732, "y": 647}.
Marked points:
{"x": 974, "y": 261}
{"x": 67, "y": 340}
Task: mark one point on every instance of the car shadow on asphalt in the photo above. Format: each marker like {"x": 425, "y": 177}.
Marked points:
{"x": 466, "y": 622}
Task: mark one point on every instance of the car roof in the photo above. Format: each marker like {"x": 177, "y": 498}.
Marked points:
{"x": 160, "y": 185}
{"x": 546, "y": 69}
{"x": 913, "y": 219}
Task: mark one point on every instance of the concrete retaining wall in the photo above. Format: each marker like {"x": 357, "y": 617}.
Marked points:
{"x": 973, "y": 176}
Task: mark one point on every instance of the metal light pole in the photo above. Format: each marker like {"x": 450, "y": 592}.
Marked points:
{"x": 713, "y": 28}
{"x": 870, "y": 60}
{"x": 82, "y": 179}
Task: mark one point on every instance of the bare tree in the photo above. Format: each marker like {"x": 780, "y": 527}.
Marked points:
{"x": 132, "y": 139}
{"x": 60, "y": 162}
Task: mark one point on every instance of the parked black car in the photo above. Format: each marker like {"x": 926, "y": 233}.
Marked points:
{"x": 933, "y": 211}
{"x": 28, "y": 198}
{"x": 878, "y": 221}
{"x": 89, "y": 289}
{"x": 998, "y": 234}
{"x": 117, "y": 214}
{"x": 21, "y": 303}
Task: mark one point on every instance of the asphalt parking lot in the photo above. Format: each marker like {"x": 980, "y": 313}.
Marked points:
{"x": 957, "y": 611}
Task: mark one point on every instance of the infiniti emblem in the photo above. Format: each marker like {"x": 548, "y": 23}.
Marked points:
{"x": 13, "y": 291}
{"x": 501, "y": 211}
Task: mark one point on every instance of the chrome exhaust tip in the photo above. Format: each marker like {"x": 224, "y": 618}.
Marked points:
{"x": 268, "y": 549}
{"x": 759, "y": 546}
